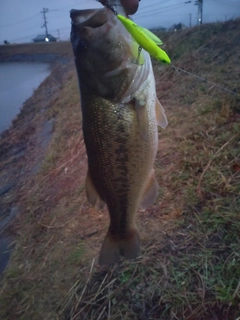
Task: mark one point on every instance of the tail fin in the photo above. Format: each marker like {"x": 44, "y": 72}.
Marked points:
{"x": 113, "y": 248}
{"x": 130, "y": 245}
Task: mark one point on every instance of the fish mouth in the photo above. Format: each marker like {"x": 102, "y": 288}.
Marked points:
{"x": 87, "y": 27}
{"x": 93, "y": 18}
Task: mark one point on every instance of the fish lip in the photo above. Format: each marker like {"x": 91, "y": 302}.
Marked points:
{"x": 84, "y": 24}
{"x": 93, "y": 18}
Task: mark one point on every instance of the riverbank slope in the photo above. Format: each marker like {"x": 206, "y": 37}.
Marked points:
{"x": 189, "y": 267}
{"x": 23, "y": 145}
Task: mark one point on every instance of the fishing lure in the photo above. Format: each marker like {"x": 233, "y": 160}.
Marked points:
{"x": 146, "y": 39}
{"x": 151, "y": 35}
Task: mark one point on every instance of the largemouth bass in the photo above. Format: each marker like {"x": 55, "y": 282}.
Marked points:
{"x": 120, "y": 114}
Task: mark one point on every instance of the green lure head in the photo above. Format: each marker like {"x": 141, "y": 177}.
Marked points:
{"x": 146, "y": 39}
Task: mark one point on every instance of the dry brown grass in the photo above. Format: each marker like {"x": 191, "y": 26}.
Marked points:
{"x": 189, "y": 267}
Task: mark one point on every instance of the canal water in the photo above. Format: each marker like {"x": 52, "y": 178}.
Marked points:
{"x": 17, "y": 83}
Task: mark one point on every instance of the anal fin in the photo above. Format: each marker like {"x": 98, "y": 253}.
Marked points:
{"x": 92, "y": 194}
{"x": 150, "y": 192}
{"x": 160, "y": 115}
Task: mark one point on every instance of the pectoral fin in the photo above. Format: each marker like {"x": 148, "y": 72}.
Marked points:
{"x": 160, "y": 115}
{"x": 150, "y": 193}
{"x": 92, "y": 194}
{"x": 142, "y": 117}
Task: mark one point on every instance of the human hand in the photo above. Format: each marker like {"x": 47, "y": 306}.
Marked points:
{"x": 130, "y": 6}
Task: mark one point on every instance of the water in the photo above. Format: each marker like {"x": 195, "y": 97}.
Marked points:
{"x": 17, "y": 82}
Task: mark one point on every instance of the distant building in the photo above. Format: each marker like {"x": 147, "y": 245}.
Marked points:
{"x": 178, "y": 26}
{"x": 159, "y": 29}
{"x": 43, "y": 38}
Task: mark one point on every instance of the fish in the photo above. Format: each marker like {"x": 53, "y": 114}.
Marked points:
{"x": 120, "y": 118}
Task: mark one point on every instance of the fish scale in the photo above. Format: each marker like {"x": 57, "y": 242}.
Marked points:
{"x": 117, "y": 156}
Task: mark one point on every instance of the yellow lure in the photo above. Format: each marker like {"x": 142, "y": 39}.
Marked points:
{"x": 144, "y": 39}
{"x": 151, "y": 36}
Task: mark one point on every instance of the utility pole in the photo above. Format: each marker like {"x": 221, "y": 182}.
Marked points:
{"x": 45, "y": 20}
{"x": 190, "y": 15}
{"x": 58, "y": 34}
{"x": 199, "y": 3}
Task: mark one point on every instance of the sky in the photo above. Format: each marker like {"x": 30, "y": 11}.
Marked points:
{"x": 21, "y": 21}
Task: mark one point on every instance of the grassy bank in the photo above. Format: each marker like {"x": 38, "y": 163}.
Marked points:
{"x": 190, "y": 262}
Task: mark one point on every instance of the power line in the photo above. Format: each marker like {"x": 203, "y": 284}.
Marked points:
{"x": 17, "y": 22}
{"x": 28, "y": 36}
{"x": 153, "y": 10}
{"x": 31, "y": 27}
{"x": 160, "y": 11}
{"x": 152, "y": 5}
{"x": 33, "y": 16}
{"x": 228, "y": 2}
{"x": 72, "y": 4}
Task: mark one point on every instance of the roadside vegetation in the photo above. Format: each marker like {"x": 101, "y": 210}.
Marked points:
{"x": 190, "y": 262}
